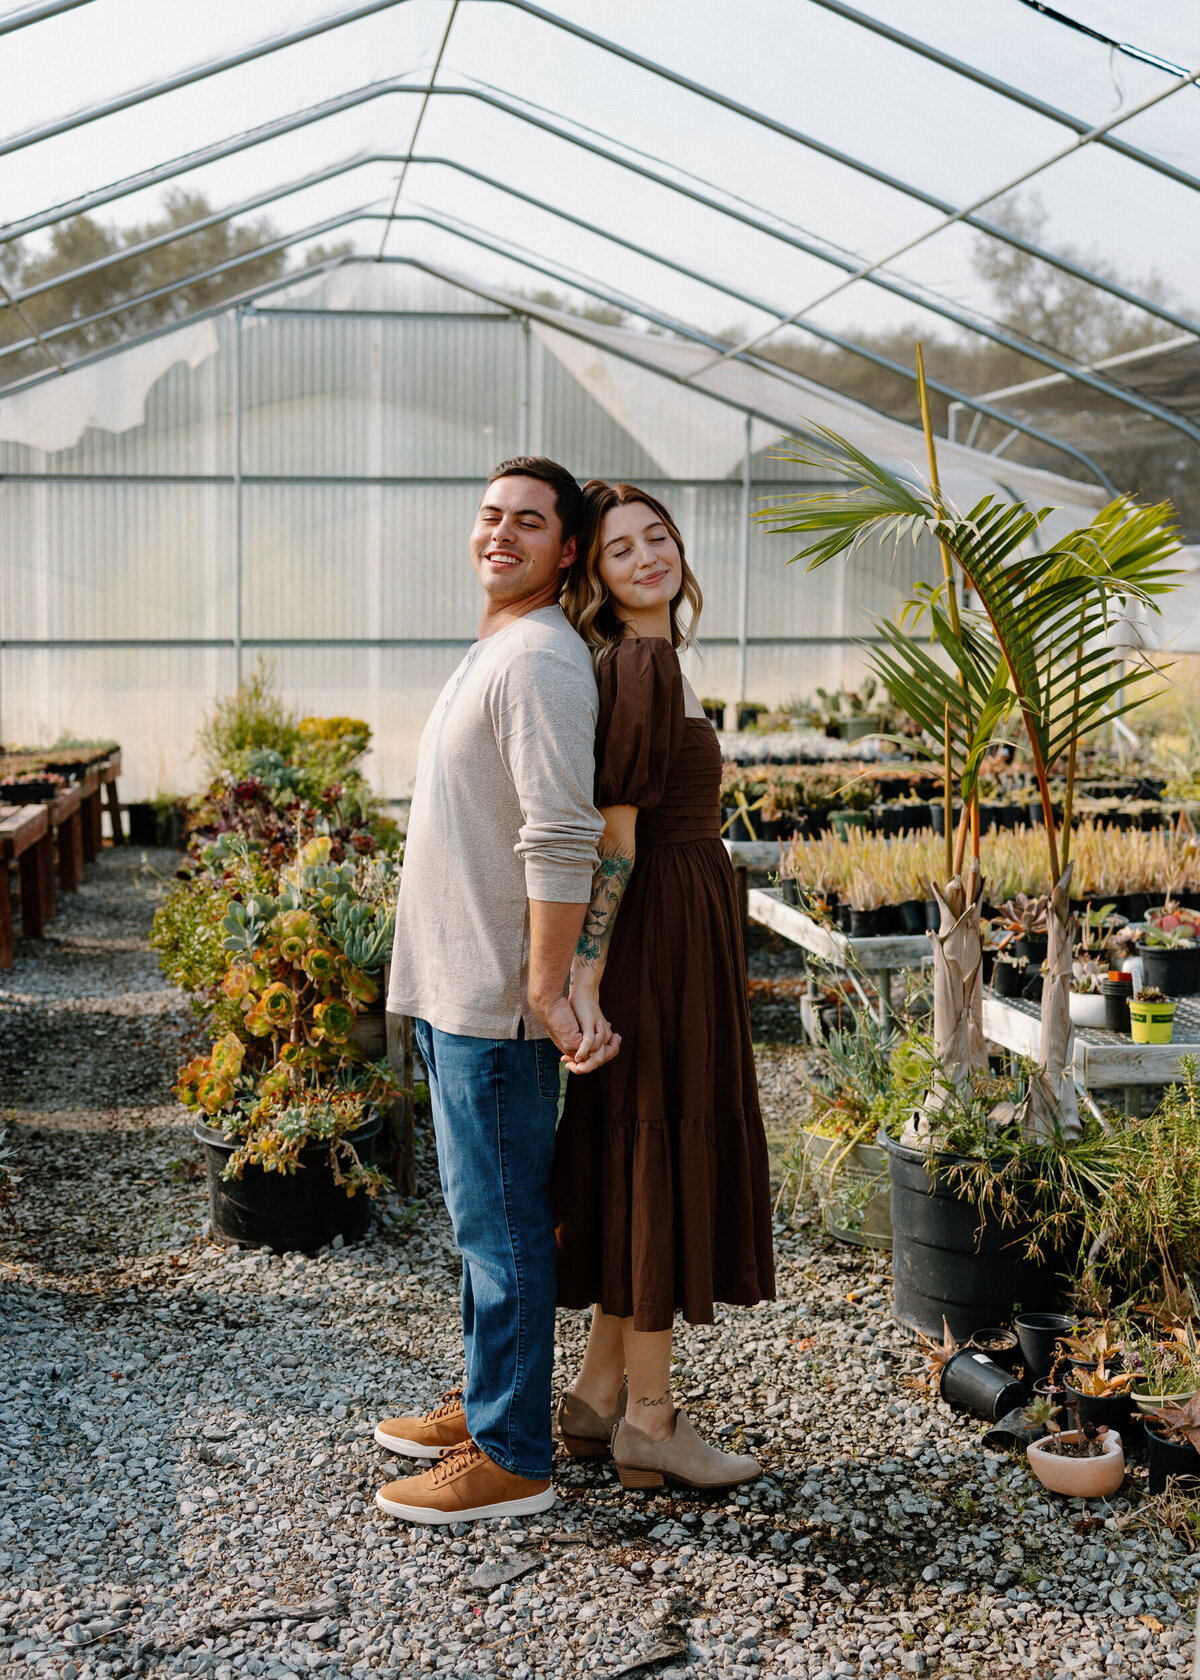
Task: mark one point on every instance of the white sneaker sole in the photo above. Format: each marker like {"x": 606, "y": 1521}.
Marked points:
{"x": 527, "y": 1507}
{"x": 410, "y": 1449}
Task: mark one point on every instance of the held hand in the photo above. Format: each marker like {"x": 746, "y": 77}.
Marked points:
{"x": 559, "y": 1020}
{"x": 598, "y": 1042}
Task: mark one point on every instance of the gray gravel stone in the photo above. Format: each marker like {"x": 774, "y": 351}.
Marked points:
{"x": 188, "y": 1470}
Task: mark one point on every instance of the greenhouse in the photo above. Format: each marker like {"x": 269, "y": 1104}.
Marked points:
{"x": 835, "y": 1160}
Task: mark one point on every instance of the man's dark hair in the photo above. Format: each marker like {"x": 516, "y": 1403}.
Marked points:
{"x": 568, "y": 497}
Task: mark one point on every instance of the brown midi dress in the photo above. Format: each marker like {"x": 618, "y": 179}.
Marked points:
{"x": 660, "y": 1189}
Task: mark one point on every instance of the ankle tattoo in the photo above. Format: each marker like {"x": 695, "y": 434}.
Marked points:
{"x": 662, "y": 1400}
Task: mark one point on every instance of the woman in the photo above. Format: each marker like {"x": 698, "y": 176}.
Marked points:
{"x": 660, "y": 1187}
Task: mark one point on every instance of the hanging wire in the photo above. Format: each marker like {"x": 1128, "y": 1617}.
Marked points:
{"x": 1125, "y": 47}
{"x": 437, "y": 64}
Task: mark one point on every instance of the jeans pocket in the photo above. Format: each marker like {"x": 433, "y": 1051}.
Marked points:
{"x": 548, "y": 1068}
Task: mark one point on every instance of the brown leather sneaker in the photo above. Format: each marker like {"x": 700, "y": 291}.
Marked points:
{"x": 431, "y": 1436}
{"x": 466, "y": 1486}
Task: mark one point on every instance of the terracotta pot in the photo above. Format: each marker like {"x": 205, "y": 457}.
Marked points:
{"x": 1081, "y": 1478}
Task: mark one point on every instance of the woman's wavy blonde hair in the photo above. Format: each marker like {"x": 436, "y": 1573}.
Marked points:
{"x": 585, "y": 598}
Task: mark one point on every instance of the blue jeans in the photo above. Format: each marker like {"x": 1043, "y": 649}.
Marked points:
{"x": 495, "y": 1105}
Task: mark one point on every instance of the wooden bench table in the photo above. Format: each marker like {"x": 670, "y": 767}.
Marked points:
{"x": 25, "y": 839}
{"x": 66, "y": 824}
{"x": 1100, "y": 1060}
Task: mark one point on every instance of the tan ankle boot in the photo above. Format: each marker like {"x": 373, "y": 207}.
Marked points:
{"x": 586, "y": 1434}
{"x": 643, "y": 1462}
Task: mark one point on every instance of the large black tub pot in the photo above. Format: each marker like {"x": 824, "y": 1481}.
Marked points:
{"x": 1039, "y": 1334}
{"x": 1175, "y": 970}
{"x": 946, "y": 1263}
{"x": 1175, "y": 1459}
{"x": 302, "y": 1210}
{"x": 974, "y": 1381}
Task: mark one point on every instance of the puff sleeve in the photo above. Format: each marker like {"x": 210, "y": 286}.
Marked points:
{"x": 641, "y": 722}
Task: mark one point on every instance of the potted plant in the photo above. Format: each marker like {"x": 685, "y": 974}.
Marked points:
{"x": 714, "y": 711}
{"x": 1151, "y": 1016}
{"x": 1166, "y": 1368}
{"x": 1098, "y": 1391}
{"x": 1171, "y": 960}
{"x": 1037, "y": 652}
{"x": 1084, "y": 1463}
{"x": 286, "y": 1090}
{"x": 1087, "y": 999}
{"x": 1173, "y": 1434}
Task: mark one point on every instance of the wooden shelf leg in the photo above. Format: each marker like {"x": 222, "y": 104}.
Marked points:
{"x": 6, "y": 923}
{"x": 45, "y": 858}
{"x": 29, "y": 869}
{"x": 89, "y": 822}
{"x": 114, "y": 814}
{"x": 70, "y": 853}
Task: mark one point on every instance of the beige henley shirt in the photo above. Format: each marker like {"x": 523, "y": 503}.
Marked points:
{"x": 502, "y": 812}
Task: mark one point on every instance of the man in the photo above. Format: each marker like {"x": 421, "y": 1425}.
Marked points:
{"x": 498, "y": 871}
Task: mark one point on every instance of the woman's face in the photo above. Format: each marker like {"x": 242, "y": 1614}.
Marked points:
{"x": 640, "y": 564}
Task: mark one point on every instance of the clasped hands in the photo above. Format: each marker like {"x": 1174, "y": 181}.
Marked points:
{"x": 578, "y": 1026}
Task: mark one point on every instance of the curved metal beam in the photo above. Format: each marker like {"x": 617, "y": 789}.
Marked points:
{"x": 77, "y": 323}
{"x": 186, "y": 229}
{"x": 981, "y": 77}
{"x": 809, "y": 247}
{"x": 195, "y": 73}
{"x": 475, "y": 236}
{"x": 463, "y": 231}
{"x": 394, "y": 85}
{"x": 358, "y": 160}
{"x": 38, "y": 14}
{"x": 1082, "y": 376}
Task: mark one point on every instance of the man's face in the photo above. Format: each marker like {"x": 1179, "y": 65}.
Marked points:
{"x": 516, "y": 543}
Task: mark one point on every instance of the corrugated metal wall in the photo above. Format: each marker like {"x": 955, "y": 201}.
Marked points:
{"x": 364, "y": 439}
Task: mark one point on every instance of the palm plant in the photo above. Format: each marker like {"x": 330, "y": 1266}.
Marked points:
{"x": 1035, "y": 652}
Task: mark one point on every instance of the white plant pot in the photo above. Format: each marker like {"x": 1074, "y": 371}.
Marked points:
{"x": 1087, "y": 1009}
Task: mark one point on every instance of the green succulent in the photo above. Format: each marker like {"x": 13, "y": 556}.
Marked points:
{"x": 363, "y": 932}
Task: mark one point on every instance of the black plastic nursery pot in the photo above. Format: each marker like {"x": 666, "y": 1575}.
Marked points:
{"x": 303, "y": 1210}
{"x": 1116, "y": 995}
{"x": 1170, "y": 1460}
{"x": 1114, "y": 1411}
{"x": 1033, "y": 947}
{"x": 873, "y": 924}
{"x": 1008, "y": 979}
{"x": 911, "y": 916}
{"x": 999, "y": 1344}
{"x": 974, "y": 1381}
{"x": 1174, "y": 970}
{"x": 933, "y": 915}
{"x": 948, "y": 1261}
{"x": 1039, "y": 1334}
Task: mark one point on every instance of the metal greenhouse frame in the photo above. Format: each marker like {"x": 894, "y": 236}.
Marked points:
{"x": 740, "y": 376}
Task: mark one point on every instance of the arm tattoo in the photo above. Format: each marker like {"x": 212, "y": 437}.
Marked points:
{"x": 608, "y": 889}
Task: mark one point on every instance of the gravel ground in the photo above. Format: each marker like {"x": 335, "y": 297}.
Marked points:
{"x": 188, "y": 1471}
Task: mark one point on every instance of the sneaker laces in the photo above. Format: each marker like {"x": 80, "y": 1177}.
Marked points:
{"x": 457, "y": 1459}
{"x": 450, "y": 1402}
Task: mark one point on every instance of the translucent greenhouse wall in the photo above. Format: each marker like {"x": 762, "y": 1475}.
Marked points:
{"x": 321, "y": 524}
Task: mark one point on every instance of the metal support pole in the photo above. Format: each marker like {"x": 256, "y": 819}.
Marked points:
{"x": 526, "y": 382}
{"x": 237, "y": 498}
{"x": 744, "y": 563}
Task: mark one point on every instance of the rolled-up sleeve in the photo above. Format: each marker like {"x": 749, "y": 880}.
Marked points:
{"x": 546, "y": 728}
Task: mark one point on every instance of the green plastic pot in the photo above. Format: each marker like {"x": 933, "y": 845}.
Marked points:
{"x": 1151, "y": 1023}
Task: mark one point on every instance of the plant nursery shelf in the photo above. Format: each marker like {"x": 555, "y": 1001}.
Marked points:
{"x": 1100, "y": 1059}
{"x": 904, "y": 950}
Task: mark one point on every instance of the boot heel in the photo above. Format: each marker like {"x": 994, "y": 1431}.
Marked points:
{"x": 639, "y": 1478}
{"x": 581, "y": 1446}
